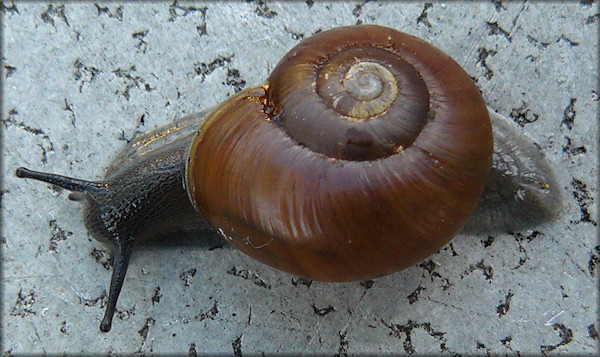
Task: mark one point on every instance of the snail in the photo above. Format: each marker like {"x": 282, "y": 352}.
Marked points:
{"x": 365, "y": 151}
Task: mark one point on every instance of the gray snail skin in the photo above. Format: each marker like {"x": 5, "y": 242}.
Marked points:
{"x": 364, "y": 152}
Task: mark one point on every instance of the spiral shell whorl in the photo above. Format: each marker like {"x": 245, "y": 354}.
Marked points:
{"x": 368, "y": 87}
{"x": 356, "y": 100}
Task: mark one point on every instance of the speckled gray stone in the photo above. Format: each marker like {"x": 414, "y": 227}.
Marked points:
{"x": 82, "y": 78}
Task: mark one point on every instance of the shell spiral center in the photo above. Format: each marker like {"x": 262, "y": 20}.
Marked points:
{"x": 368, "y": 88}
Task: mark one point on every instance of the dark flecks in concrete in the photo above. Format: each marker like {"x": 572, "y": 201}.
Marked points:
{"x": 175, "y": 11}
{"x": 522, "y": 115}
{"x": 204, "y": 69}
{"x": 142, "y": 45}
{"x": 496, "y": 29}
{"x": 208, "y": 314}
{"x": 586, "y": 2}
{"x": 367, "y": 284}
{"x": 522, "y": 10}
{"x": 309, "y": 3}
{"x": 116, "y": 14}
{"x": 262, "y": 9}
{"x": 125, "y": 314}
{"x": 584, "y": 199}
{"x": 295, "y": 35}
{"x": 572, "y": 150}
{"x": 143, "y": 332}
{"x": 24, "y": 305}
{"x": 103, "y": 257}
{"x": 592, "y": 19}
{"x": 481, "y": 346}
{"x": 51, "y": 11}
{"x": 69, "y": 107}
{"x": 530, "y": 237}
{"x": 192, "y": 351}
{"x": 568, "y": 41}
{"x": 565, "y": 334}
{"x": 235, "y": 80}
{"x": 569, "y": 115}
{"x": 64, "y": 328}
{"x": 10, "y": 70}
{"x": 156, "y": 296}
{"x": 343, "y": 346}
{"x": 487, "y": 271}
{"x": 506, "y": 342}
{"x": 130, "y": 80}
{"x": 12, "y": 121}
{"x": 218, "y": 246}
{"x": 475, "y": 80}
{"x": 594, "y": 260}
{"x": 563, "y": 292}
{"x": 430, "y": 266}
{"x": 357, "y": 11}
{"x": 123, "y": 138}
{"x": 450, "y": 247}
{"x": 84, "y": 74}
{"x": 237, "y": 346}
{"x": 483, "y": 54}
{"x": 58, "y": 235}
{"x": 45, "y": 149}
{"x": 406, "y": 330}
{"x": 523, "y": 259}
{"x": 187, "y": 276}
{"x": 301, "y": 281}
{"x": 531, "y": 58}
{"x": 414, "y": 296}
{"x": 248, "y": 275}
{"x": 422, "y": 19}
{"x": 488, "y": 242}
{"x": 534, "y": 41}
{"x": 543, "y": 45}
{"x": 201, "y": 29}
{"x": 9, "y": 9}
{"x": 445, "y": 349}
{"x": 100, "y": 300}
{"x": 593, "y": 332}
{"x": 322, "y": 311}
{"x": 498, "y": 4}
{"x": 503, "y": 308}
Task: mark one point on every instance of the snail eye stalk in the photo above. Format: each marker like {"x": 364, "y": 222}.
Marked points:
{"x": 121, "y": 254}
{"x": 68, "y": 183}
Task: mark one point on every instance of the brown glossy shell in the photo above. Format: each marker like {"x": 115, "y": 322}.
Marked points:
{"x": 263, "y": 176}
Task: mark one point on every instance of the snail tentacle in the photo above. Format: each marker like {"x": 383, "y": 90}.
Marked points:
{"x": 65, "y": 182}
{"x": 121, "y": 255}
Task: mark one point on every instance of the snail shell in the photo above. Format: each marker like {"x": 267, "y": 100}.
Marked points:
{"x": 363, "y": 153}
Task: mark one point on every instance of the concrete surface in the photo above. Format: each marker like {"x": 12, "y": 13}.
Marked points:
{"x": 82, "y": 78}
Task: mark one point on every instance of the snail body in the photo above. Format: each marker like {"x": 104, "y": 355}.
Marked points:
{"x": 365, "y": 151}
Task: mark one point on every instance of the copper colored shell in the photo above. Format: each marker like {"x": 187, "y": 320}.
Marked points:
{"x": 295, "y": 174}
